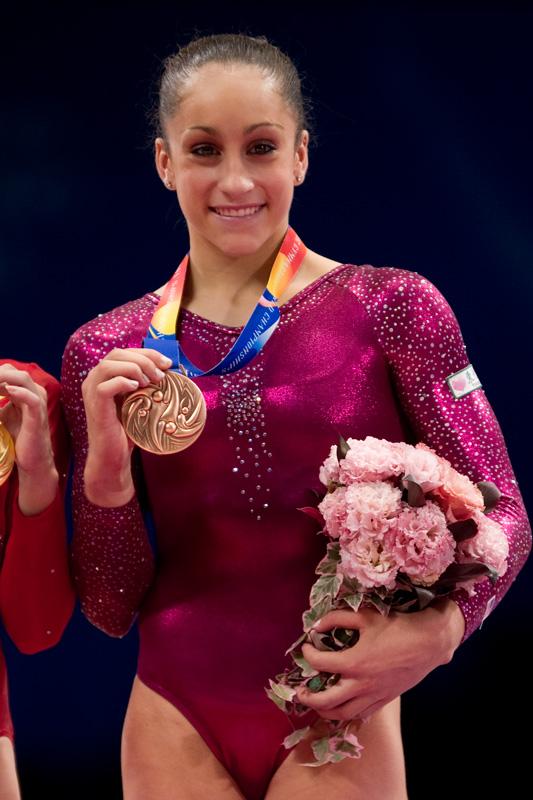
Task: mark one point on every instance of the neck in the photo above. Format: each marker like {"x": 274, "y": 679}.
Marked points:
{"x": 215, "y": 274}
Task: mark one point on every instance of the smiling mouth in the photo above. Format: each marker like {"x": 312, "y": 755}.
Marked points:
{"x": 242, "y": 211}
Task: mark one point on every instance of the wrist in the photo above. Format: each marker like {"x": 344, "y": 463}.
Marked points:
{"x": 448, "y": 626}
{"x": 37, "y": 489}
{"x": 108, "y": 487}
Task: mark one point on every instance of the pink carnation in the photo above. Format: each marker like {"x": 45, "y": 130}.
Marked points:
{"x": 421, "y": 543}
{"x": 333, "y": 509}
{"x": 371, "y": 459}
{"x": 458, "y": 496}
{"x": 363, "y": 557}
{"x": 489, "y": 546}
{"x": 329, "y": 470}
{"x": 372, "y": 506}
{"x": 424, "y": 466}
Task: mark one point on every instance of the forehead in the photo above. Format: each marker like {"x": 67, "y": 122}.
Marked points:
{"x": 231, "y": 93}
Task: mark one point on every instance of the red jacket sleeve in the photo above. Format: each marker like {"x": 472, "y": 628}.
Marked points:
{"x": 36, "y": 593}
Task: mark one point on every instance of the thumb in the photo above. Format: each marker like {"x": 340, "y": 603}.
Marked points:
{"x": 340, "y": 619}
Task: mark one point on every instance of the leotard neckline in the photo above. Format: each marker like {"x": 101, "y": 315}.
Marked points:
{"x": 296, "y": 298}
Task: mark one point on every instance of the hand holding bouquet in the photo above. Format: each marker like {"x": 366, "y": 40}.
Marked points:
{"x": 405, "y": 529}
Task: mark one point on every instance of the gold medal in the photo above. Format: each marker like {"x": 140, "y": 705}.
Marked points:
{"x": 7, "y": 454}
{"x": 165, "y": 417}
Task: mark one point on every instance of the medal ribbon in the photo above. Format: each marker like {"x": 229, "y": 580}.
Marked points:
{"x": 255, "y": 334}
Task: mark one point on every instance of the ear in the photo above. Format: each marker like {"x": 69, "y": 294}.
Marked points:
{"x": 301, "y": 156}
{"x": 163, "y": 163}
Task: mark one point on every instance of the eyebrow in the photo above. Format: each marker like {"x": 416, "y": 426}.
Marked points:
{"x": 249, "y": 129}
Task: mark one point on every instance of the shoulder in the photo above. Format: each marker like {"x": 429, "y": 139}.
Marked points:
{"x": 123, "y": 326}
{"x": 396, "y": 294}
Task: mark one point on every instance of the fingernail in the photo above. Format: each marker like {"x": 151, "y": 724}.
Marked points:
{"x": 165, "y": 361}
{"x": 133, "y": 384}
{"x": 160, "y": 375}
{"x": 315, "y": 625}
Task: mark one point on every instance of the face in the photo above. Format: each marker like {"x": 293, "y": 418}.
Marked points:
{"x": 231, "y": 154}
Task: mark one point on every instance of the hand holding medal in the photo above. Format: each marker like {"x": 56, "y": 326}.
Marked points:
{"x": 169, "y": 416}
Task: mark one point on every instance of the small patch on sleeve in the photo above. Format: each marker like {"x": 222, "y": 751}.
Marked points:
{"x": 463, "y": 382}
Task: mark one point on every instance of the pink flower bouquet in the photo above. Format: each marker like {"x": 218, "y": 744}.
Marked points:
{"x": 405, "y": 528}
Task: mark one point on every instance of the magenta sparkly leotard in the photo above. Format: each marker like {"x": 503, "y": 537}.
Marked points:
{"x": 360, "y": 351}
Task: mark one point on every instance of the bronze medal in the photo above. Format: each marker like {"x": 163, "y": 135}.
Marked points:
{"x": 165, "y": 417}
{"x": 7, "y": 454}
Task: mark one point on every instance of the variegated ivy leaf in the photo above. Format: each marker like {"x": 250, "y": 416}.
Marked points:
{"x": 378, "y": 603}
{"x": 334, "y": 550}
{"x": 307, "y": 670}
{"x": 350, "y": 585}
{"x": 309, "y": 618}
{"x": 353, "y": 601}
{"x": 325, "y": 586}
{"x": 326, "y": 567}
{"x": 323, "y": 607}
{"x": 320, "y": 748}
{"x": 282, "y": 691}
{"x": 296, "y": 737}
{"x": 297, "y": 643}
{"x": 277, "y": 700}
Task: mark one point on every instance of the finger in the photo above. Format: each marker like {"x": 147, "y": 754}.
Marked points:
{"x": 21, "y": 396}
{"x": 340, "y": 619}
{"x": 106, "y": 370}
{"x": 146, "y": 356}
{"x": 357, "y": 708}
{"x": 334, "y": 696}
{"x": 110, "y": 389}
{"x": 16, "y": 377}
{"x": 330, "y": 661}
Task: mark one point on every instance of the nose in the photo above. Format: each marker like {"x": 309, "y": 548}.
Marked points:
{"x": 234, "y": 179}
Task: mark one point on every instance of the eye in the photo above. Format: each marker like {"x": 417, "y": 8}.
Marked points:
{"x": 262, "y": 148}
{"x": 204, "y": 150}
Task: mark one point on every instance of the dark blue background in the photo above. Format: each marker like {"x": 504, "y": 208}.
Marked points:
{"x": 422, "y": 160}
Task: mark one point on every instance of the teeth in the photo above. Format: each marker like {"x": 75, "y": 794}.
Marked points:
{"x": 237, "y": 212}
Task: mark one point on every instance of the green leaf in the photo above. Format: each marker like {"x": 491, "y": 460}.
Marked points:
{"x": 325, "y": 586}
{"x": 323, "y": 607}
{"x": 309, "y": 618}
{"x": 342, "y": 448}
{"x": 296, "y": 737}
{"x": 350, "y": 585}
{"x": 327, "y": 566}
{"x": 307, "y": 670}
{"x": 317, "y": 683}
{"x": 277, "y": 700}
{"x": 282, "y": 691}
{"x": 353, "y": 601}
{"x": 320, "y": 748}
{"x": 297, "y": 643}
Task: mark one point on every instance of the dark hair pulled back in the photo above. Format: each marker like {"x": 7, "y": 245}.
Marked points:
{"x": 229, "y": 48}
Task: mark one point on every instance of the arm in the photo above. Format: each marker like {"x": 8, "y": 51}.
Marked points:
{"x": 422, "y": 342}
{"x": 112, "y": 559}
{"x": 36, "y": 594}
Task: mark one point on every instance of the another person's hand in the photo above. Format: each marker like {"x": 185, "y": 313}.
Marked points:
{"x": 26, "y": 418}
{"x": 107, "y": 476}
{"x": 392, "y": 655}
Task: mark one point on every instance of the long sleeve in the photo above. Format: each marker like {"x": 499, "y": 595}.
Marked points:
{"x": 36, "y": 593}
{"x": 112, "y": 560}
{"x": 422, "y": 342}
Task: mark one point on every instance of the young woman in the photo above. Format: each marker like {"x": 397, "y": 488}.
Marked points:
{"x": 357, "y": 351}
{"x": 36, "y": 595}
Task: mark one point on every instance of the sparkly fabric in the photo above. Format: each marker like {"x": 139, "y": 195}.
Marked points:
{"x": 36, "y": 595}
{"x": 360, "y": 351}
